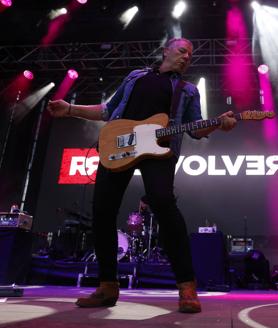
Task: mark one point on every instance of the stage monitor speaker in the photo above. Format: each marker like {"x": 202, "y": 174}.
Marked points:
{"x": 209, "y": 259}
{"x": 15, "y": 255}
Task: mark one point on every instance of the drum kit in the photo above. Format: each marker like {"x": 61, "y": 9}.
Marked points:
{"x": 141, "y": 242}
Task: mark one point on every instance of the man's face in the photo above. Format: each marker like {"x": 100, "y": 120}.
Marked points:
{"x": 178, "y": 56}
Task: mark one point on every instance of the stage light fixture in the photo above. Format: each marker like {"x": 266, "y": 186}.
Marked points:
{"x": 82, "y": 2}
{"x": 28, "y": 74}
{"x": 6, "y": 3}
{"x": 57, "y": 12}
{"x": 72, "y": 74}
{"x": 128, "y": 15}
{"x": 179, "y": 9}
{"x": 263, "y": 69}
{"x": 255, "y": 5}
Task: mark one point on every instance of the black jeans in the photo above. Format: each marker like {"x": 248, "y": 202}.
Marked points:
{"x": 158, "y": 177}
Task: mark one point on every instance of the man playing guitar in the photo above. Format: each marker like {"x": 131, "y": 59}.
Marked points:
{"x": 142, "y": 94}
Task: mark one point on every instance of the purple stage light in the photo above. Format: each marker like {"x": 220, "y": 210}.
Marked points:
{"x": 263, "y": 69}
{"x": 72, "y": 74}
{"x": 28, "y": 74}
{"x": 82, "y": 1}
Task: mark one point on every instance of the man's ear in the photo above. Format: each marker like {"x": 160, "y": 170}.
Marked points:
{"x": 165, "y": 52}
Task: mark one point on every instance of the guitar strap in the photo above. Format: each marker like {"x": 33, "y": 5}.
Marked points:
{"x": 176, "y": 99}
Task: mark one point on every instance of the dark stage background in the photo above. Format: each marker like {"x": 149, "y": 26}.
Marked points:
{"x": 234, "y": 203}
{"x": 228, "y": 201}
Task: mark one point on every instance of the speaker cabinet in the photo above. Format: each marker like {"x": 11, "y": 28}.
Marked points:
{"x": 15, "y": 255}
{"x": 209, "y": 259}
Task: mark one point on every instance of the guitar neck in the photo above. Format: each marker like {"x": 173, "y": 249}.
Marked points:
{"x": 191, "y": 126}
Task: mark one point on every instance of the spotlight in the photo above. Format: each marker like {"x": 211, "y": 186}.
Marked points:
{"x": 179, "y": 9}
{"x": 82, "y": 2}
{"x": 263, "y": 69}
{"x": 57, "y": 12}
{"x": 63, "y": 11}
{"x": 255, "y": 5}
{"x": 6, "y": 3}
{"x": 72, "y": 74}
{"x": 28, "y": 74}
{"x": 128, "y": 15}
{"x": 203, "y": 96}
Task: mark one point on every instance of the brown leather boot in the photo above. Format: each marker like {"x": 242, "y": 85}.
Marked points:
{"x": 106, "y": 294}
{"x": 188, "y": 301}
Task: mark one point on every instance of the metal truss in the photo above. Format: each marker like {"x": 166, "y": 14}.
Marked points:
{"x": 101, "y": 66}
{"x": 114, "y": 55}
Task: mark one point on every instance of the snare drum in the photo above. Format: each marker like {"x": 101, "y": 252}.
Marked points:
{"x": 135, "y": 223}
{"x": 123, "y": 243}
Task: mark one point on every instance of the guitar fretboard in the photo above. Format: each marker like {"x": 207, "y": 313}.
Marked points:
{"x": 191, "y": 126}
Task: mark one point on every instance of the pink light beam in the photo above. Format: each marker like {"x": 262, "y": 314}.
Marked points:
{"x": 5, "y": 4}
{"x": 66, "y": 84}
{"x": 238, "y": 72}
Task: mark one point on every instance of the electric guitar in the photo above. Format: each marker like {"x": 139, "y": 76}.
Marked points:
{"x": 123, "y": 143}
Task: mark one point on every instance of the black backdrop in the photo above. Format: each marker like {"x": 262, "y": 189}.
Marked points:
{"x": 232, "y": 202}
{"x": 229, "y": 201}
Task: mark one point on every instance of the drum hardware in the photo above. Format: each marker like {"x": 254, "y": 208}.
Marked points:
{"x": 144, "y": 231}
{"x": 71, "y": 238}
{"x": 136, "y": 250}
{"x": 123, "y": 244}
{"x": 135, "y": 224}
{"x": 83, "y": 241}
{"x": 89, "y": 256}
{"x": 157, "y": 256}
{"x": 150, "y": 237}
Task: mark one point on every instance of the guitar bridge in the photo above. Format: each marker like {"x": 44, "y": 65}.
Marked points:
{"x": 122, "y": 155}
{"x": 126, "y": 140}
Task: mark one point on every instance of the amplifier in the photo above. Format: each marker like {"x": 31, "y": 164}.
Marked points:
{"x": 15, "y": 220}
{"x": 206, "y": 230}
{"x": 241, "y": 245}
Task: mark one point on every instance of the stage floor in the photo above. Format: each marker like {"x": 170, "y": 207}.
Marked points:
{"x": 53, "y": 306}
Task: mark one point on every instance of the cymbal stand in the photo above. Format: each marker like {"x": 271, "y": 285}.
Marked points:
{"x": 150, "y": 232}
{"x": 134, "y": 248}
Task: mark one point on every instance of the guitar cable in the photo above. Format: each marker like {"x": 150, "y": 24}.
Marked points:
{"x": 94, "y": 145}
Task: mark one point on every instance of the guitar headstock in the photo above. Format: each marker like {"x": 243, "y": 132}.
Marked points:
{"x": 256, "y": 115}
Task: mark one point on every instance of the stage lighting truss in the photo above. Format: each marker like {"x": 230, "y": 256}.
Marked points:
{"x": 113, "y": 61}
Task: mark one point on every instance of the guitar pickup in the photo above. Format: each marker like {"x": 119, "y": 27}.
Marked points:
{"x": 126, "y": 140}
{"x": 126, "y": 154}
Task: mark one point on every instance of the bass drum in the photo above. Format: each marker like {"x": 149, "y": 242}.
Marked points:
{"x": 123, "y": 244}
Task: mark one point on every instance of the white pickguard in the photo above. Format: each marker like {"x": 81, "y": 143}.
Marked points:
{"x": 146, "y": 140}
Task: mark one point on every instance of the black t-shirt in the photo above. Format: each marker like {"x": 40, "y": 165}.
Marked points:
{"x": 151, "y": 95}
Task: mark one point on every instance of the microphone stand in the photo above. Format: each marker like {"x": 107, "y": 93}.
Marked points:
{"x": 9, "y": 129}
